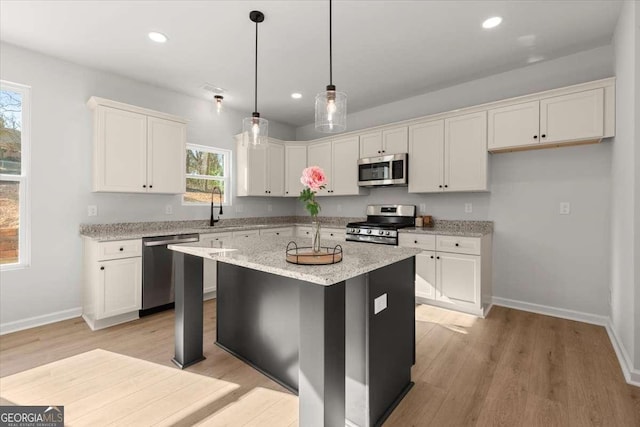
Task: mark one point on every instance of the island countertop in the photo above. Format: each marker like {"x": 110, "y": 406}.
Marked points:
{"x": 267, "y": 253}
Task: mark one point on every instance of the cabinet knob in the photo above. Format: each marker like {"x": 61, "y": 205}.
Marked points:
{"x": 101, "y": 268}
{"x": 378, "y": 151}
{"x": 286, "y": 192}
{"x": 415, "y": 241}
{"x": 431, "y": 256}
{"x": 331, "y": 234}
{"x": 121, "y": 249}
{"x": 277, "y": 234}
{"x": 440, "y": 186}
{"x": 144, "y": 186}
{"x": 384, "y": 151}
{"x": 457, "y": 244}
{"x": 543, "y": 135}
{"x": 446, "y": 186}
{"x": 437, "y": 257}
{"x": 151, "y": 186}
{"x": 535, "y": 136}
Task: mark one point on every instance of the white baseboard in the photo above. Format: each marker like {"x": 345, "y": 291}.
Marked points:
{"x": 562, "y": 313}
{"x": 631, "y": 375}
{"x": 32, "y": 322}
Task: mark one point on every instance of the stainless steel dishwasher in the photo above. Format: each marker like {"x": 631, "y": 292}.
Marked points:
{"x": 158, "y": 288}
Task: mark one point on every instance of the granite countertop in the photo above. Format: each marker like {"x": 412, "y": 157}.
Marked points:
{"x": 267, "y": 253}
{"x": 454, "y": 228}
{"x": 137, "y": 230}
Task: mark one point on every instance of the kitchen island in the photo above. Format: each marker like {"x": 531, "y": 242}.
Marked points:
{"x": 340, "y": 335}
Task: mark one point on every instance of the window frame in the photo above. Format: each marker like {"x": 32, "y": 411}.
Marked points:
{"x": 226, "y": 179}
{"x": 24, "y": 202}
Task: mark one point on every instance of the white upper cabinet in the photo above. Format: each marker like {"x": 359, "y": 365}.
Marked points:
{"x": 426, "y": 157}
{"x": 260, "y": 169}
{"x": 573, "y": 117}
{"x": 514, "y": 125}
{"x": 165, "y": 156}
{"x": 137, "y": 150}
{"x": 339, "y": 160}
{"x": 384, "y": 142}
{"x": 564, "y": 119}
{"x": 295, "y": 161}
{"x": 449, "y": 155}
{"x": 465, "y": 152}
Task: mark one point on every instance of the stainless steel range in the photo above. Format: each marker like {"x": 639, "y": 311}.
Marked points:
{"x": 382, "y": 224}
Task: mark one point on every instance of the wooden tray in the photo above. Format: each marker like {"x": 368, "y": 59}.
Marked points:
{"x": 306, "y": 255}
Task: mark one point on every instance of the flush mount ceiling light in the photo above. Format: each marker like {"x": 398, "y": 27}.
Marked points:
{"x": 296, "y": 95}
{"x": 331, "y": 105}
{"x": 158, "y": 37}
{"x": 492, "y": 22}
{"x": 255, "y": 130}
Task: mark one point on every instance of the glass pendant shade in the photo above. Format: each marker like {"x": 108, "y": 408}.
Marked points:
{"x": 255, "y": 130}
{"x": 331, "y": 111}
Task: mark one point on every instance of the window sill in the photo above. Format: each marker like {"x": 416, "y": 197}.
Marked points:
{"x": 13, "y": 267}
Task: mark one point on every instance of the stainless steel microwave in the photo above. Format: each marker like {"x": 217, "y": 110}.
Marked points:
{"x": 383, "y": 170}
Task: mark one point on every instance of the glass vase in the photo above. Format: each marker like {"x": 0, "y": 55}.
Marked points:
{"x": 315, "y": 235}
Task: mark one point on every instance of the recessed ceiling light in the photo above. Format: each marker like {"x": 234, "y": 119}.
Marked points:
{"x": 492, "y": 22}
{"x": 296, "y": 95}
{"x": 158, "y": 37}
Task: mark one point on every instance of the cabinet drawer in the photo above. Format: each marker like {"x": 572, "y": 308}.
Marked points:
{"x": 332, "y": 234}
{"x": 283, "y": 231}
{"x": 247, "y": 233}
{"x": 458, "y": 245}
{"x": 119, "y": 249}
{"x": 413, "y": 240}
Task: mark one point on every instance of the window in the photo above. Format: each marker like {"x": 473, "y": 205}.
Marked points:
{"x": 207, "y": 167}
{"x": 14, "y": 170}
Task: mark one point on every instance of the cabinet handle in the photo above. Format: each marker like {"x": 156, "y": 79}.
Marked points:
{"x": 101, "y": 268}
{"x": 543, "y": 135}
{"x": 121, "y": 249}
{"x": 457, "y": 244}
{"x": 144, "y": 186}
{"x": 535, "y": 136}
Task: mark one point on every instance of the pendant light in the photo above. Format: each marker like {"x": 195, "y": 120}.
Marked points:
{"x": 331, "y": 105}
{"x": 255, "y": 130}
{"x": 218, "y": 100}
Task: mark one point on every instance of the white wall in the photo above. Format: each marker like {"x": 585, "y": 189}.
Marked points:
{"x": 540, "y": 257}
{"x": 625, "y": 207}
{"x": 61, "y": 178}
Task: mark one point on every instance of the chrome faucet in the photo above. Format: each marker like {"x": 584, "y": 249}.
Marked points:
{"x": 213, "y": 221}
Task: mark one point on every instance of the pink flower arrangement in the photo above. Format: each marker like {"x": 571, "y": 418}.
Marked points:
{"x": 314, "y": 178}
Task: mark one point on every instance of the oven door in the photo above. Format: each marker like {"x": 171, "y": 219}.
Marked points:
{"x": 383, "y": 170}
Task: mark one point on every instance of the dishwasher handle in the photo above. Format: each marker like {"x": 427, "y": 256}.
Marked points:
{"x": 171, "y": 242}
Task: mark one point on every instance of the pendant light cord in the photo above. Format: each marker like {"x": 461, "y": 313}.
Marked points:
{"x": 330, "y": 48}
{"x": 256, "y": 74}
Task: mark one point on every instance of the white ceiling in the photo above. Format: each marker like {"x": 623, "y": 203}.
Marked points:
{"x": 383, "y": 50}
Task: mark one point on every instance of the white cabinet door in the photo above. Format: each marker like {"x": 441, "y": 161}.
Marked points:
{"x": 395, "y": 141}
{"x": 371, "y": 144}
{"x": 303, "y": 231}
{"x": 295, "y": 161}
{"x": 465, "y": 152}
{"x": 257, "y": 170}
{"x": 426, "y": 275}
{"x": 210, "y": 267}
{"x": 426, "y": 153}
{"x": 458, "y": 278}
{"x": 275, "y": 168}
{"x": 345, "y": 167}
{"x": 320, "y": 155}
{"x": 573, "y": 117}
{"x": 120, "y": 159}
{"x": 514, "y": 126}
{"x": 166, "y": 148}
{"x": 119, "y": 287}
{"x": 332, "y": 234}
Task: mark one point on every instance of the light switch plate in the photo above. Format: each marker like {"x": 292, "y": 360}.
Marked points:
{"x": 468, "y": 208}
{"x": 168, "y": 210}
{"x": 92, "y": 210}
{"x": 565, "y": 208}
{"x": 269, "y": 208}
{"x": 379, "y": 304}
{"x": 423, "y": 208}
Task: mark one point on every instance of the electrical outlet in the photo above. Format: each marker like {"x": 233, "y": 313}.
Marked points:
{"x": 423, "y": 208}
{"x": 565, "y": 208}
{"x": 168, "y": 210}
{"x": 239, "y": 208}
{"x": 339, "y": 208}
{"x": 468, "y": 207}
{"x": 92, "y": 210}
{"x": 269, "y": 208}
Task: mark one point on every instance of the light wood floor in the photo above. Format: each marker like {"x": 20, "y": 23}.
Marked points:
{"x": 511, "y": 369}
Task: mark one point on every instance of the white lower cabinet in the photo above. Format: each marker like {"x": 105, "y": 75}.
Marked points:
{"x": 209, "y": 266}
{"x": 112, "y": 288}
{"x": 325, "y": 233}
{"x": 247, "y": 233}
{"x": 281, "y": 231}
{"x": 454, "y": 279}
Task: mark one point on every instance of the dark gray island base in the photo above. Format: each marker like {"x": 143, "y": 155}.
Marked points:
{"x": 346, "y": 348}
